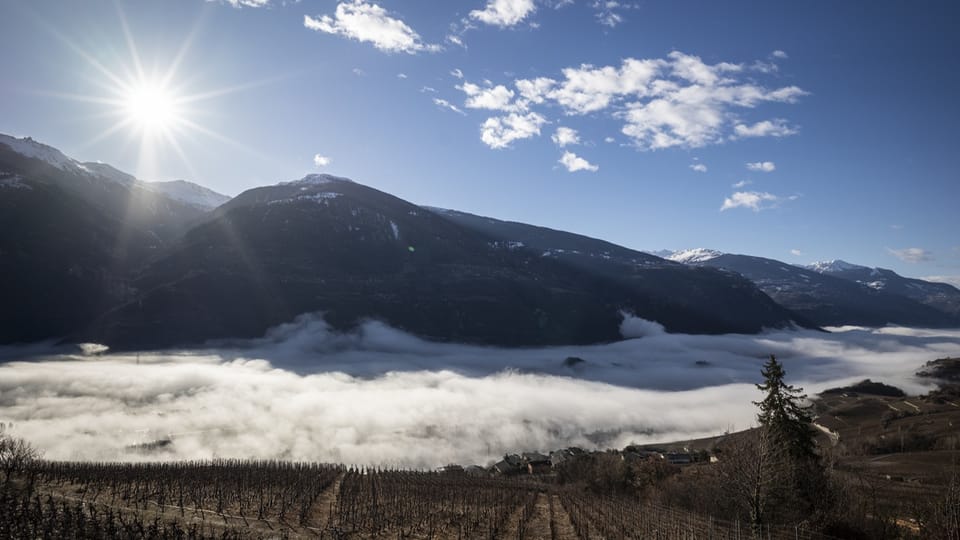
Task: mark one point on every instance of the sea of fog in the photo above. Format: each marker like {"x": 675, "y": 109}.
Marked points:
{"x": 378, "y": 396}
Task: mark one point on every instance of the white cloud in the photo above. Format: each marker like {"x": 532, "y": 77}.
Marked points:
{"x": 574, "y": 163}
{"x": 428, "y": 89}
{"x": 911, "y": 255}
{"x": 766, "y": 128}
{"x": 762, "y": 166}
{"x": 370, "y": 23}
{"x": 754, "y": 200}
{"x": 565, "y": 136}
{"x": 500, "y": 131}
{"x": 699, "y": 167}
{"x": 495, "y": 98}
{"x": 457, "y": 73}
{"x": 401, "y": 75}
{"x": 676, "y": 101}
{"x": 504, "y": 13}
{"x": 609, "y": 140}
{"x": 456, "y": 40}
{"x": 949, "y": 280}
{"x": 796, "y": 252}
{"x": 359, "y": 72}
{"x": 321, "y": 160}
{"x": 779, "y": 54}
{"x": 442, "y": 103}
{"x": 741, "y": 184}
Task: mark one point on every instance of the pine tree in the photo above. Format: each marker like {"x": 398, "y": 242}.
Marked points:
{"x": 782, "y": 414}
{"x": 794, "y": 477}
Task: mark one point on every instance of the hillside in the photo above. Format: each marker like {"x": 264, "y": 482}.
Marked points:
{"x": 326, "y": 244}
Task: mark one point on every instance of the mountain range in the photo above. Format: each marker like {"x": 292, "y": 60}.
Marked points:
{"x": 89, "y": 253}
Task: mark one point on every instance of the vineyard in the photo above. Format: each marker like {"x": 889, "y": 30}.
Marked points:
{"x": 269, "y": 499}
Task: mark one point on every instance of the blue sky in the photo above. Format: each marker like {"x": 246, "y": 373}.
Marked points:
{"x": 846, "y": 111}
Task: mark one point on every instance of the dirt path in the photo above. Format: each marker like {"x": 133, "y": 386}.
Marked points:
{"x": 562, "y": 526}
{"x": 539, "y": 526}
{"x": 511, "y": 529}
{"x": 326, "y": 504}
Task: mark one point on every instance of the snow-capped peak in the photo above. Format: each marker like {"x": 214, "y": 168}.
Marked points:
{"x": 316, "y": 179}
{"x": 189, "y": 193}
{"x": 692, "y": 256}
{"x": 32, "y": 149}
{"x": 836, "y": 265}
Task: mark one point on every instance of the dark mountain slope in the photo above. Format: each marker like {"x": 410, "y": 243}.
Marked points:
{"x": 352, "y": 252}
{"x": 71, "y": 234}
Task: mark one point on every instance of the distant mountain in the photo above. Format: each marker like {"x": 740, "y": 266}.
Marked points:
{"x": 696, "y": 300}
{"x": 326, "y": 244}
{"x": 838, "y": 293}
{"x": 71, "y": 234}
{"x": 940, "y": 296}
{"x": 189, "y": 193}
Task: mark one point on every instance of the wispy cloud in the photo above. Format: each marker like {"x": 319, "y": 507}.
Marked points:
{"x": 609, "y": 12}
{"x": 321, "y": 160}
{"x": 456, "y": 73}
{"x": 911, "y": 254}
{"x": 504, "y": 13}
{"x": 754, "y": 200}
{"x": 699, "y": 167}
{"x": 762, "y": 166}
{"x": 444, "y": 104}
{"x": 401, "y": 75}
{"x": 574, "y": 163}
{"x": 247, "y": 3}
{"x": 565, "y": 136}
{"x": 796, "y": 252}
{"x": 765, "y": 128}
{"x": 370, "y": 23}
{"x": 741, "y": 184}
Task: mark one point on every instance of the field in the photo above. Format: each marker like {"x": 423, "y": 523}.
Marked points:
{"x": 292, "y": 500}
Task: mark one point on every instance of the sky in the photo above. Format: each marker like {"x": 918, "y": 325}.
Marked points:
{"x": 800, "y": 131}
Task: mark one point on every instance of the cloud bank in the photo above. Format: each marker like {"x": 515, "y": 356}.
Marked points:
{"x": 379, "y": 396}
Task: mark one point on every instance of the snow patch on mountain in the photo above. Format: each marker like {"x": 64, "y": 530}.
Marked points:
{"x": 693, "y": 256}
{"x": 317, "y": 179}
{"x": 836, "y": 265}
{"x": 189, "y": 193}
{"x": 13, "y": 182}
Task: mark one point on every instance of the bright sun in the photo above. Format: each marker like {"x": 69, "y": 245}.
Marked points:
{"x": 151, "y": 107}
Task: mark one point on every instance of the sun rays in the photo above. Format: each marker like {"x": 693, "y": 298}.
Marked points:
{"x": 148, "y": 105}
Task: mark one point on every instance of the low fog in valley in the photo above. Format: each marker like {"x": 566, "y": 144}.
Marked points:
{"x": 378, "y": 396}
